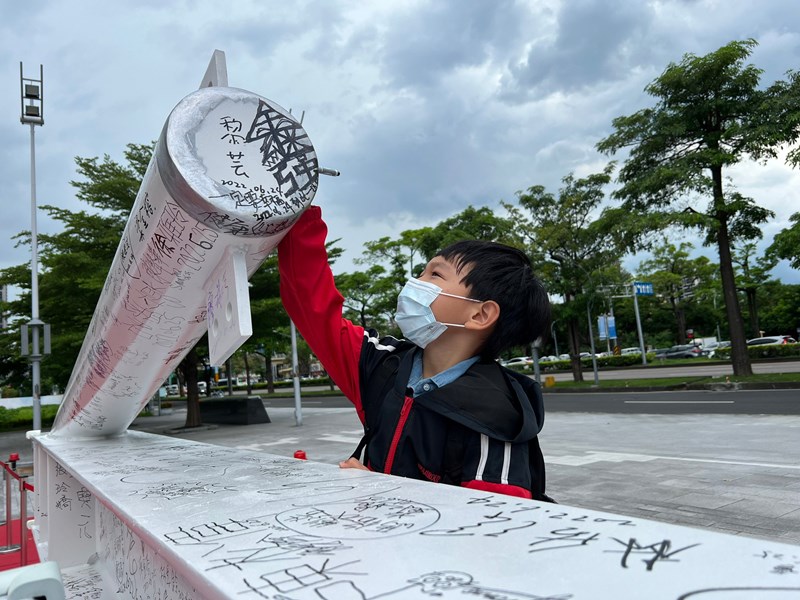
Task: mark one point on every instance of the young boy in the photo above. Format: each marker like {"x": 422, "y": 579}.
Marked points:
{"x": 435, "y": 405}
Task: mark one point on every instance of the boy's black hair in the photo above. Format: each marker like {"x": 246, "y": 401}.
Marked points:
{"x": 503, "y": 274}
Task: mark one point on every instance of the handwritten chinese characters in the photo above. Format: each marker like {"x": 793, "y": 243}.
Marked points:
{"x": 259, "y": 526}
{"x": 232, "y": 170}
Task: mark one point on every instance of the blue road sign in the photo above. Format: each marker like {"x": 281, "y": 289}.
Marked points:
{"x": 643, "y": 288}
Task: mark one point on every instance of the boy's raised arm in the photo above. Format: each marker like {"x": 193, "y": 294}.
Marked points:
{"x": 310, "y": 297}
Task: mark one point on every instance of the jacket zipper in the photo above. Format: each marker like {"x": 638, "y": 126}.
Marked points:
{"x": 404, "y": 412}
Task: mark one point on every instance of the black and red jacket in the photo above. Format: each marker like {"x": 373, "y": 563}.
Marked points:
{"x": 478, "y": 431}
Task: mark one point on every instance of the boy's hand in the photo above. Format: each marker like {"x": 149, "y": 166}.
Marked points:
{"x": 352, "y": 463}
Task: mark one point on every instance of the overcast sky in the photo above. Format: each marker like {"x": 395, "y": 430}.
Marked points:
{"x": 425, "y": 106}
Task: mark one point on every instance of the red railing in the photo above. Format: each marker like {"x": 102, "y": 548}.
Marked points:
{"x": 10, "y": 473}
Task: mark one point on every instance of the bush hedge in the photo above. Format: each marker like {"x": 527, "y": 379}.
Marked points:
{"x": 262, "y": 385}
{"x": 623, "y": 360}
{"x": 22, "y": 418}
{"x": 771, "y": 351}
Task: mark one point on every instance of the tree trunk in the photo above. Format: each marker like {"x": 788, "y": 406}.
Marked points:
{"x": 181, "y": 377}
{"x": 247, "y": 374}
{"x": 270, "y": 378}
{"x": 573, "y": 332}
{"x": 739, "y": 357}
{"x": 752, "y": 309}
{"x": 189, "y": 368}
{"x": 680, "y": 320}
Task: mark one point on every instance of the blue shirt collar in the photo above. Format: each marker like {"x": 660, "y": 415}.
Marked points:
{"x": 422, "y": 386}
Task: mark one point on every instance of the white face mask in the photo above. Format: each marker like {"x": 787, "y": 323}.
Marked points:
{"x": 414, "y": 314}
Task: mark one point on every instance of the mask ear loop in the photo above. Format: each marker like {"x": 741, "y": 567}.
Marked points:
{"x": 461, "y": 297}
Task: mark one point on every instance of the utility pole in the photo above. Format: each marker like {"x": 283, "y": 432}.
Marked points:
{"x": 553, "y": 333}
{"x": 32, "y": 113}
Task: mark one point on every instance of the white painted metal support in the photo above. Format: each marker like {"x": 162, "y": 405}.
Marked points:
{"x": 216, "y": 74}
{"x": 228, "y": 307}
{"x": 191, "y": 521}
{"x": 231, "y": 172}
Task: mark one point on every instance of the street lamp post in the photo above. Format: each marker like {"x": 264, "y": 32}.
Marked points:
{"x": 553, "y": 333}
{"x": 638, "y": 324}
{"x": 32, "y": 113}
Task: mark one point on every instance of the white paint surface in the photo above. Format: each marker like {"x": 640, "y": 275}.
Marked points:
{"x": 231, "y": 173}
{"x": 190, "y": 520}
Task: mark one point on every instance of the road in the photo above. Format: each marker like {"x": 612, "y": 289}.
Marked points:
{"x": 739, "y": 402}
{"x": 683, "y": 370}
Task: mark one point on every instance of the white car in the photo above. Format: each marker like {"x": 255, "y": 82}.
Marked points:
{"x": 519, "y": 360}
{"x": 631, "y": 351}
{"x": 772, "y": 340}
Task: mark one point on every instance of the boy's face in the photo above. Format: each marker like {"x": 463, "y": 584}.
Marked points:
{"x": 442, "y": 273}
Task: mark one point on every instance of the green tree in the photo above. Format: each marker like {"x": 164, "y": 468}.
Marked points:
{"x": 786, "y": 244}
{"x": 75, "y": 261}
{"x": 779, "y": 310}
{"x": 370, "y": 296}
{"x": 470, "y": 224}
{"x": 574, "y": 249}
{"x": 679, "y": 279}
{"x": 752, "y": 273}
{"x": 709, "y": 115}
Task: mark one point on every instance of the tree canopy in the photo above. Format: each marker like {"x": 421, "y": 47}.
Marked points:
{"x": 574, "y": 248}
{"x": 710, "y": 114}
{"x": 786, "y": 244}
{"x": 75, "y": 261}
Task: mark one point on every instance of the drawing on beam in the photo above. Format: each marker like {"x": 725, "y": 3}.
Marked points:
{"x": 230, "y": 170}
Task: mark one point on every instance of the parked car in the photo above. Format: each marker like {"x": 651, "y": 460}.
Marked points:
{"x": 172, "y": 390}
{"x": 636, "y": 350}
{"x": 201, "y": 387}
{"x": 518, "y": 360}
{"x": 772, "y": 340}
{"x": 684, "y": 351}
{"x": 711, "y": 348}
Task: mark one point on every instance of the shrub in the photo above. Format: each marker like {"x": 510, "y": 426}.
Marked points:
{"x": 772, "y": 351}
{"x": 22, "y": 418}
{"x": 9, "y": 392}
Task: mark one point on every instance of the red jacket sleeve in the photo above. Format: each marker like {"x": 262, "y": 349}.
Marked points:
{"x": 314, "y": 304}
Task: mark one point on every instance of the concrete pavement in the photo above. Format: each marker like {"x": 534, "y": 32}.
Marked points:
{"x": 733, "y": 473}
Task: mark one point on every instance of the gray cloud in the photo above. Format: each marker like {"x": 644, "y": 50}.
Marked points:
{"x": 424, "y": 106}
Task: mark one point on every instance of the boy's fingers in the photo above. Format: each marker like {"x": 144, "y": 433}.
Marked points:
{"x": 352, "y": 463}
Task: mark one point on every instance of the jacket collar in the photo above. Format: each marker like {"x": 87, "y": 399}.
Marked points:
{"x": 489, "y": 399}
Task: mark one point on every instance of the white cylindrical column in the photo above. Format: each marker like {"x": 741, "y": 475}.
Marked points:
{"x": 231, "y": 171}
